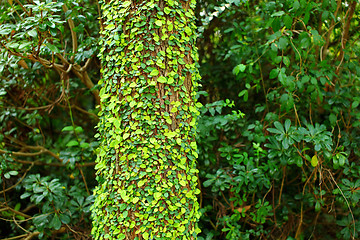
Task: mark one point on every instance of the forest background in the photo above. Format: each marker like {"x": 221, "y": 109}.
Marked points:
{"x": 278, "y": 135}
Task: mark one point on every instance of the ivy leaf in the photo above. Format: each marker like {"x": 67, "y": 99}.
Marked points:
{"x": 145, "y": 235}
{"x": 157, "y": 195}
{"x": 126, "y": 3}
{"x": 154, "y": 73}
{"x": 167, "y": 10}
{"x": 158, "y": 23}
{"x": 110, "y": 27}
{"x": 162, "y": 79}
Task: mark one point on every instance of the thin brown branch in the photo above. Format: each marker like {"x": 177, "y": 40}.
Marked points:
{"x": 40, "y": 163}
{"x": 345, "y": 33}
{"x": 40, "y": 149}
{"x": 73, "y": 34}
{"x": 332, "y": 25}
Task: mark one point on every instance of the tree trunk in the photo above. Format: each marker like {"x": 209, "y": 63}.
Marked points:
{"x": 147, "y": 155}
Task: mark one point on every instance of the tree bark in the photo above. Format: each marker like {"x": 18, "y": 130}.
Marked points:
{"x": 146, "y": 165}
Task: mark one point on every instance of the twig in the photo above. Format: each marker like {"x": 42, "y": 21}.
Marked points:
{"x": 73, "y": 34}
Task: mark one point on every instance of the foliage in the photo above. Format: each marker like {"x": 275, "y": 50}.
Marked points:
{"x": 146, "y": 165}
{"x": 288, "y": 168}
{"x": 47, "y": 102}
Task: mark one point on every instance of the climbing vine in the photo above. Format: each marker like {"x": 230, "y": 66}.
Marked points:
{"x": 146, "y": 160}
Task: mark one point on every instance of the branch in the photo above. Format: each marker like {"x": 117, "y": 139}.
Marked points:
{"x": 73, "y": 34}
{"x": 40, "y": 149}
{"x": 345, "y": 34}
{"x": 15, "y": 211}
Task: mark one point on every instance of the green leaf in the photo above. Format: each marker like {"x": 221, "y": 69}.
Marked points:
{"x": 5, "y": 31}
{"x": 158, "y": 23}
{"x": 288, "y": 21}
{"x": 279, "y": 126}
{"x": 126, "y": 3}
{"x": 314, "y": 161}
{"x": 68, "y": 128}
{"x": 316, "y": 37}
{"x": 332, "y": 119}
{"x": 296, "y": 5}
{"x": 53, "y": 48}
{"x": 283, "y": 42}
{"x": 110, "y": 27}
{"x": 286, "y": 61}
{"x": 25, "y": 195}
{"x": 145, "y": 235}
{"x": 13, "y": 173}
{"x": 157, "y": 195}
{"x": 167, "y": 10}
{"x": 274, "y": 73}
{"x": 55, "y": 222}
{"x": 162, "y": 79}
{"x": 239, "y": 68}
{"x": 32, "y": 33}
{"x": 287, "y": 125}
{"x": 154, "y": 72}
{"x": 65, "y": 218}
{"x": 355, "y": 104}
{"x": 278, "y": 14}
{"x": 72, "y": 143}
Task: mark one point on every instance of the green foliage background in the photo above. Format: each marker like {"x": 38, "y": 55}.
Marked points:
{"x": 285, "y": 167}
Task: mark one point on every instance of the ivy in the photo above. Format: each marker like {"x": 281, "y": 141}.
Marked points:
{"x": 147, "y": 156}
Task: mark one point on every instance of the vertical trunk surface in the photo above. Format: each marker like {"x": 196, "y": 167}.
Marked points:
{"x": 146, "y": 160}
